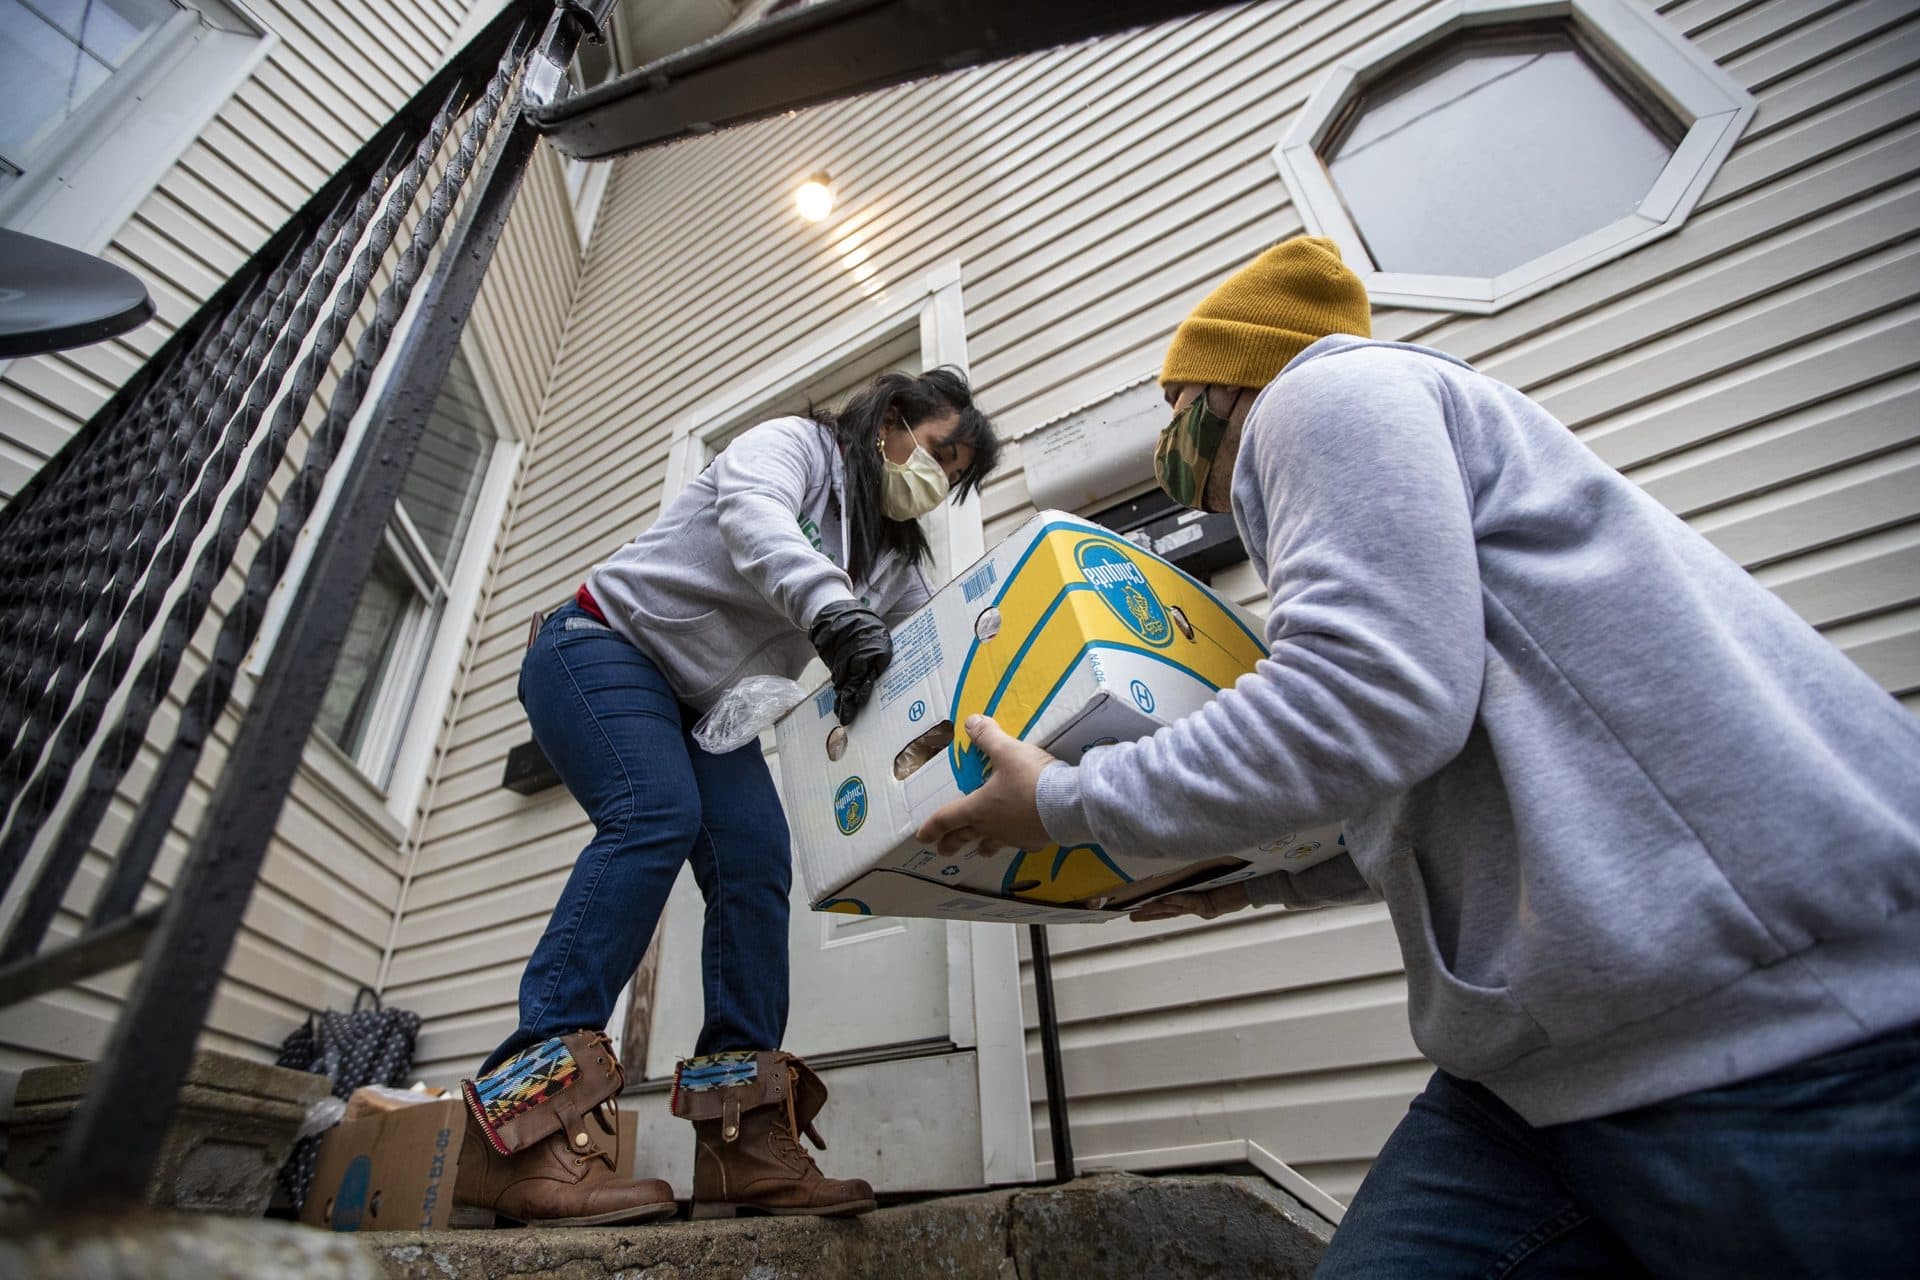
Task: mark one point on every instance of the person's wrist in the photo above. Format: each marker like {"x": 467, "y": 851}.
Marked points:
{"x": 1057, "y": 798}
{"x": 828, "y": 591}
{"x": 825, "y": 616}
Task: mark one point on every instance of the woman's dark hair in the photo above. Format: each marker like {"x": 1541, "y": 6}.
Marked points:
{"x": 857, "y": 428}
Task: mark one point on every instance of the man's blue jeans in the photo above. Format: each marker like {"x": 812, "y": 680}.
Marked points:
{"x": 619, "y": 738}
{"x": 1809, "y": 1171}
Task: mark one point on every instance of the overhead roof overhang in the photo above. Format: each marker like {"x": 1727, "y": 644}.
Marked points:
{"x": 821, "y": 52}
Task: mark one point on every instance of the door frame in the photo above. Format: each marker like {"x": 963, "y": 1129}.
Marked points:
{"x": 932, "y": 305}
{"x": 983, "y": 960}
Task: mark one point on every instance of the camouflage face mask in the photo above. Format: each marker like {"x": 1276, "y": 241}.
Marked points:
{"x": 1184, "y": 457}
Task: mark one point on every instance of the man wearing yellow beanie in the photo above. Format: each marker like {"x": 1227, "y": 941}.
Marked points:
{"x": 1650, "y": 845}
{"x": 1237, "y": 341}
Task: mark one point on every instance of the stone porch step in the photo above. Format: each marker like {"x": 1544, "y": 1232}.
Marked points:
{"x": 1219, "y": 1226}
{"x": 1213, "y": 1225}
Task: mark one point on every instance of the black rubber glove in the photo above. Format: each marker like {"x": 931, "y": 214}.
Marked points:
{"x": 854, "y": 644}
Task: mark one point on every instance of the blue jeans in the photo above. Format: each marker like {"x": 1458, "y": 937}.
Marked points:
{"x": 1809, "y": 1171}
{"x": 619, "y": 738}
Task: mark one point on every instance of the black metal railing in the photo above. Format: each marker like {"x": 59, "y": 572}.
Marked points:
{"x": 199, "y": 475}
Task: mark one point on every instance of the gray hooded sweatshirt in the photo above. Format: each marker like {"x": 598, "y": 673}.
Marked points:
{"x": 1641, "y": 831}
{"x": 727, "y": 581}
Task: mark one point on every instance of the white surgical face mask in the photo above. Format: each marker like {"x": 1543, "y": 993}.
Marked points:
{"x": 911, "y": 489}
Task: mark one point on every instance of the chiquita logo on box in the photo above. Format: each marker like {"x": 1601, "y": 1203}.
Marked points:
{"x": 850, "y": 806}
{"x": 1126, "y": 590}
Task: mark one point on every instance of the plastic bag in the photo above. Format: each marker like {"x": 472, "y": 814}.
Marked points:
{"x": 322, "y": 1116}
{"x": 745, "y": 711}
{"x": 371, "y": 1099}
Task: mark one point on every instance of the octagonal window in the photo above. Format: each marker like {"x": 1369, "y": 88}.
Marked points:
{"x": 1484, "y": 150}
{"x": 1493, "y": 151}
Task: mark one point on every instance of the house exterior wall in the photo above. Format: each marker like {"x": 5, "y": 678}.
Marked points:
{"x": 1754, "y": 371}
{"x": 320, "y": 920}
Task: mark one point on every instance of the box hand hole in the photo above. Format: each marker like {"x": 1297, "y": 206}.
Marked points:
{"x": 922, "y": 749}
{"x": 1175, "y": 881}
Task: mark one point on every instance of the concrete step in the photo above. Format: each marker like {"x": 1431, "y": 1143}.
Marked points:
{"x": 1216, "y": 1226}
{"x": 1219, "y": 1226}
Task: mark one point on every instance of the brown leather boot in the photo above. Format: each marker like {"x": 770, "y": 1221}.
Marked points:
{"x": 748, "y": 1112}
{"x": 542, "y": 1144}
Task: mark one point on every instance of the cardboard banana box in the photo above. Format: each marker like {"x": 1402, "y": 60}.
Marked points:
{"x": 1068, "y": 636}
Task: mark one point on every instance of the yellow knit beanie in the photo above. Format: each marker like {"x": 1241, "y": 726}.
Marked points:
{"x": 1263, "y": 315}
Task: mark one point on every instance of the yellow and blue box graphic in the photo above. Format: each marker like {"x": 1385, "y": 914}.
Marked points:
{"x": 1067, "y": 635}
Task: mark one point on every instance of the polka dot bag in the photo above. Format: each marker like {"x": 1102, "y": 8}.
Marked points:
{"x": 366, "y": 1045}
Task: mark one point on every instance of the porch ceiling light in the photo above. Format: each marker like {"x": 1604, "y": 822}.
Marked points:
{"x": 814, "y": 199}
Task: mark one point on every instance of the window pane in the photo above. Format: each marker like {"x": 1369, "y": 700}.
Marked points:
{"x": 64, "y": 16}
{"x": 440, "y": 491}
{"x": 114, "y": 28}
{"x": 1492, "y": 155}
{"x": 54, "y": 54}
{"x": 37, "y": 67}
{"x": 835, "y": 397}
{"x": 386, "y": 604}
{"x": 831, "y": 388}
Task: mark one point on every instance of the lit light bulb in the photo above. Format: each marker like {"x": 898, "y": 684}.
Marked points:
{"x": 814, "y": 199}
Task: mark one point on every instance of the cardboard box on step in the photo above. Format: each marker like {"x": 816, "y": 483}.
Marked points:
{"x": 374, "y": 1098}
{"x": 1069, "y": 636}
{"x": 389, "y": 1170}
{"x": 392, "y": 1163}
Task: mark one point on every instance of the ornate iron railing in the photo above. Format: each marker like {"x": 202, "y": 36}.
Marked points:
{"x": 200, "y": 474}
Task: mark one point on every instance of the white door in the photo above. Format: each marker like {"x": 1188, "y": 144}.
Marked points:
{"x": 915, "y": 1024}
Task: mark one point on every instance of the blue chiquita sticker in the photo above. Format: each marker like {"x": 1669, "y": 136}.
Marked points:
{"x": 850, "y": 806}
{"x": 350, "y": 1198}
{"x": 1125, "y": 589}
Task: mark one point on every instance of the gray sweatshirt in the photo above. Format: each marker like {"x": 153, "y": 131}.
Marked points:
{"x": 1641, "y": 831}
{"x": 726, "y": 582}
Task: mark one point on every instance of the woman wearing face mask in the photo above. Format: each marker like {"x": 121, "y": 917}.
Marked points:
{"x": 801, "y": 538}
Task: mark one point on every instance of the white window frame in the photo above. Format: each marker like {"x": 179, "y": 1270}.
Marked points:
{"x": 414, "y": 758}
{"x": 392, "y": 702}
{"x": 110, "y": 154}
{"x": 1711, "y": 106}
{"x": 933, "y": 305}
{"x": 586, "y": 180}
{"x": 586, "y": 187}
{"x": 419, "y": 717}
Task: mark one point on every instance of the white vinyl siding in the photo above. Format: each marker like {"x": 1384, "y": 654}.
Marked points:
{"x": 321, "y": 917}
{"x": 1755, "y": 370}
